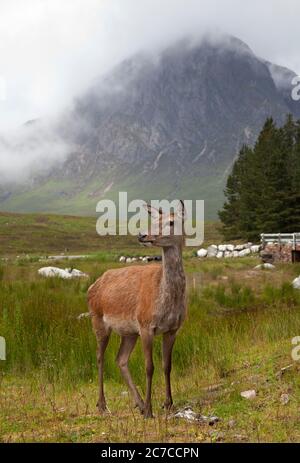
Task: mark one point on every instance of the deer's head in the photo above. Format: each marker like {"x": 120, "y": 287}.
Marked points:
{"x": 167, "y": 228}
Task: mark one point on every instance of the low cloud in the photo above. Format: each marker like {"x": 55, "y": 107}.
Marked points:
{"x": 52, "y": 51}
{"x": 32, "y": 149}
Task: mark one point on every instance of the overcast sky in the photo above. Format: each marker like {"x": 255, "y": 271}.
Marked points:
{"x": 51, "y": 50}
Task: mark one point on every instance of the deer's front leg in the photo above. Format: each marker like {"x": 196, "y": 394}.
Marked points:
{"x": 168, "y": 343}
{"x": 147, "y": 343}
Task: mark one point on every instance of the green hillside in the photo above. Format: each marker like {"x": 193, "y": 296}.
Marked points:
{"x": 54, "y": 234}
{"x": 71, "y": 197}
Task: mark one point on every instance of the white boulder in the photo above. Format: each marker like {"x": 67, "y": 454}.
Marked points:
{"x": 212, "y": 250}
{"x": 220, "y": 255}
{"x": 265, "y": 266}
{"x": 188, "y": 414}
{"x": 54, "y": 272}
{"x": 228, "y": 254}
{"x": 296, "y": 283}
{"x": 202, "y": 253}
{"x": 66, "y": 274}
{"x": 255, "y": 249}
{"x": 244, "y": 253}
{"x": 284, "y": 399}
{"x": 235, "y": 254}
{"x": 222, "y": 247}
{"x": 249, "y": 394}
{"x": 122, "y": 259}
{"x": 83, "y": 315}
{"x": 239, "y": 247}
{"x": 128, "y": 260}
{"x": 269, "y": 266}
{"x": 76, "y": 273}
{"x": 230, "y": 247}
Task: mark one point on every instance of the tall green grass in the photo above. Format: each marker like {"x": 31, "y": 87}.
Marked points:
{"x": 46, "y": 340}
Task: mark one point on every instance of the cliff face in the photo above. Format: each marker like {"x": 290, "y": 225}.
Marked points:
{"x": 164, "y": 126}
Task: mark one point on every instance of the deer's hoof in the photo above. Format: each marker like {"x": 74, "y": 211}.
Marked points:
{"x": 102, "y": 409}
{"x": 168, "y": 406}
{"x": 141, "y": 407}
{"x": 148, "y": 414}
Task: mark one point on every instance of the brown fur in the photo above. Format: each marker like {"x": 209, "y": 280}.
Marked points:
{"x": 126, "y": 294}
{"x": 141, "y": 301}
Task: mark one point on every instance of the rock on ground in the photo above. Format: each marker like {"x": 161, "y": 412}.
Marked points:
{"x": 83, "y": 315}
{"x": 76, "y": 273}
{"x": 66, "y": 274}
{"x": 188, "y": 414}
{"x": 212, "y": 251}
{"x": 265, "y": 266}
{"x": 202, "y": 253}
{"x": 255, "y": 249}
{"x": 230, "y": 247}
{"x": 229, "y": 250}
{"x": 228, "y": 254}
{"x": 249, "y": 394}
{"x": 296, "y": 283}
{"x": 284, "y": 399}
{"x": 244, "y": 252}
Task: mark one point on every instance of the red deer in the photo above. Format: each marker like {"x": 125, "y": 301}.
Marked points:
{"x": 142, "y": 301}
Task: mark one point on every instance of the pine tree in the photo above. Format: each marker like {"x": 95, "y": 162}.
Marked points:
{"x": 263, "y": 189}
{"x": 295, "y": 181}
{"x": 230, "y": 215}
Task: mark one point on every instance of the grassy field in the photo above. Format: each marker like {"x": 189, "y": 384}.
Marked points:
{"x": 42, "y": 234}
{"x": 237, "y": 337}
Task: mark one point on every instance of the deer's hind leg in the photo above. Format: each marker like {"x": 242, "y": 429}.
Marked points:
{"x": 102, "y": 335}
{"x": 126, "y": 348}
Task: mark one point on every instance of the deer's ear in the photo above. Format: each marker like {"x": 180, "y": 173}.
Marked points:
{"x": 181, "y": 211}
{"x": 152, "y": 211}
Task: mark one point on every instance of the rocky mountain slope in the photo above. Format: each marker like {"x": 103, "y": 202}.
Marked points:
{"x": 160, "y": 126}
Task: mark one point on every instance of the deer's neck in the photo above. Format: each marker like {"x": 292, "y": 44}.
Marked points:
{"x": 173, "y": 277}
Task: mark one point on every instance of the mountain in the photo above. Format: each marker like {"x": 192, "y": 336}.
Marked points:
{"x": 160, "y": 126}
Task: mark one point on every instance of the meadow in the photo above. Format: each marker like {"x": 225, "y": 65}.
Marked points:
{"x": 237, "y": 337}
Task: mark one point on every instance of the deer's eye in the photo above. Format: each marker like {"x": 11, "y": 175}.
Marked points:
{"x": 171, "y": 223}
